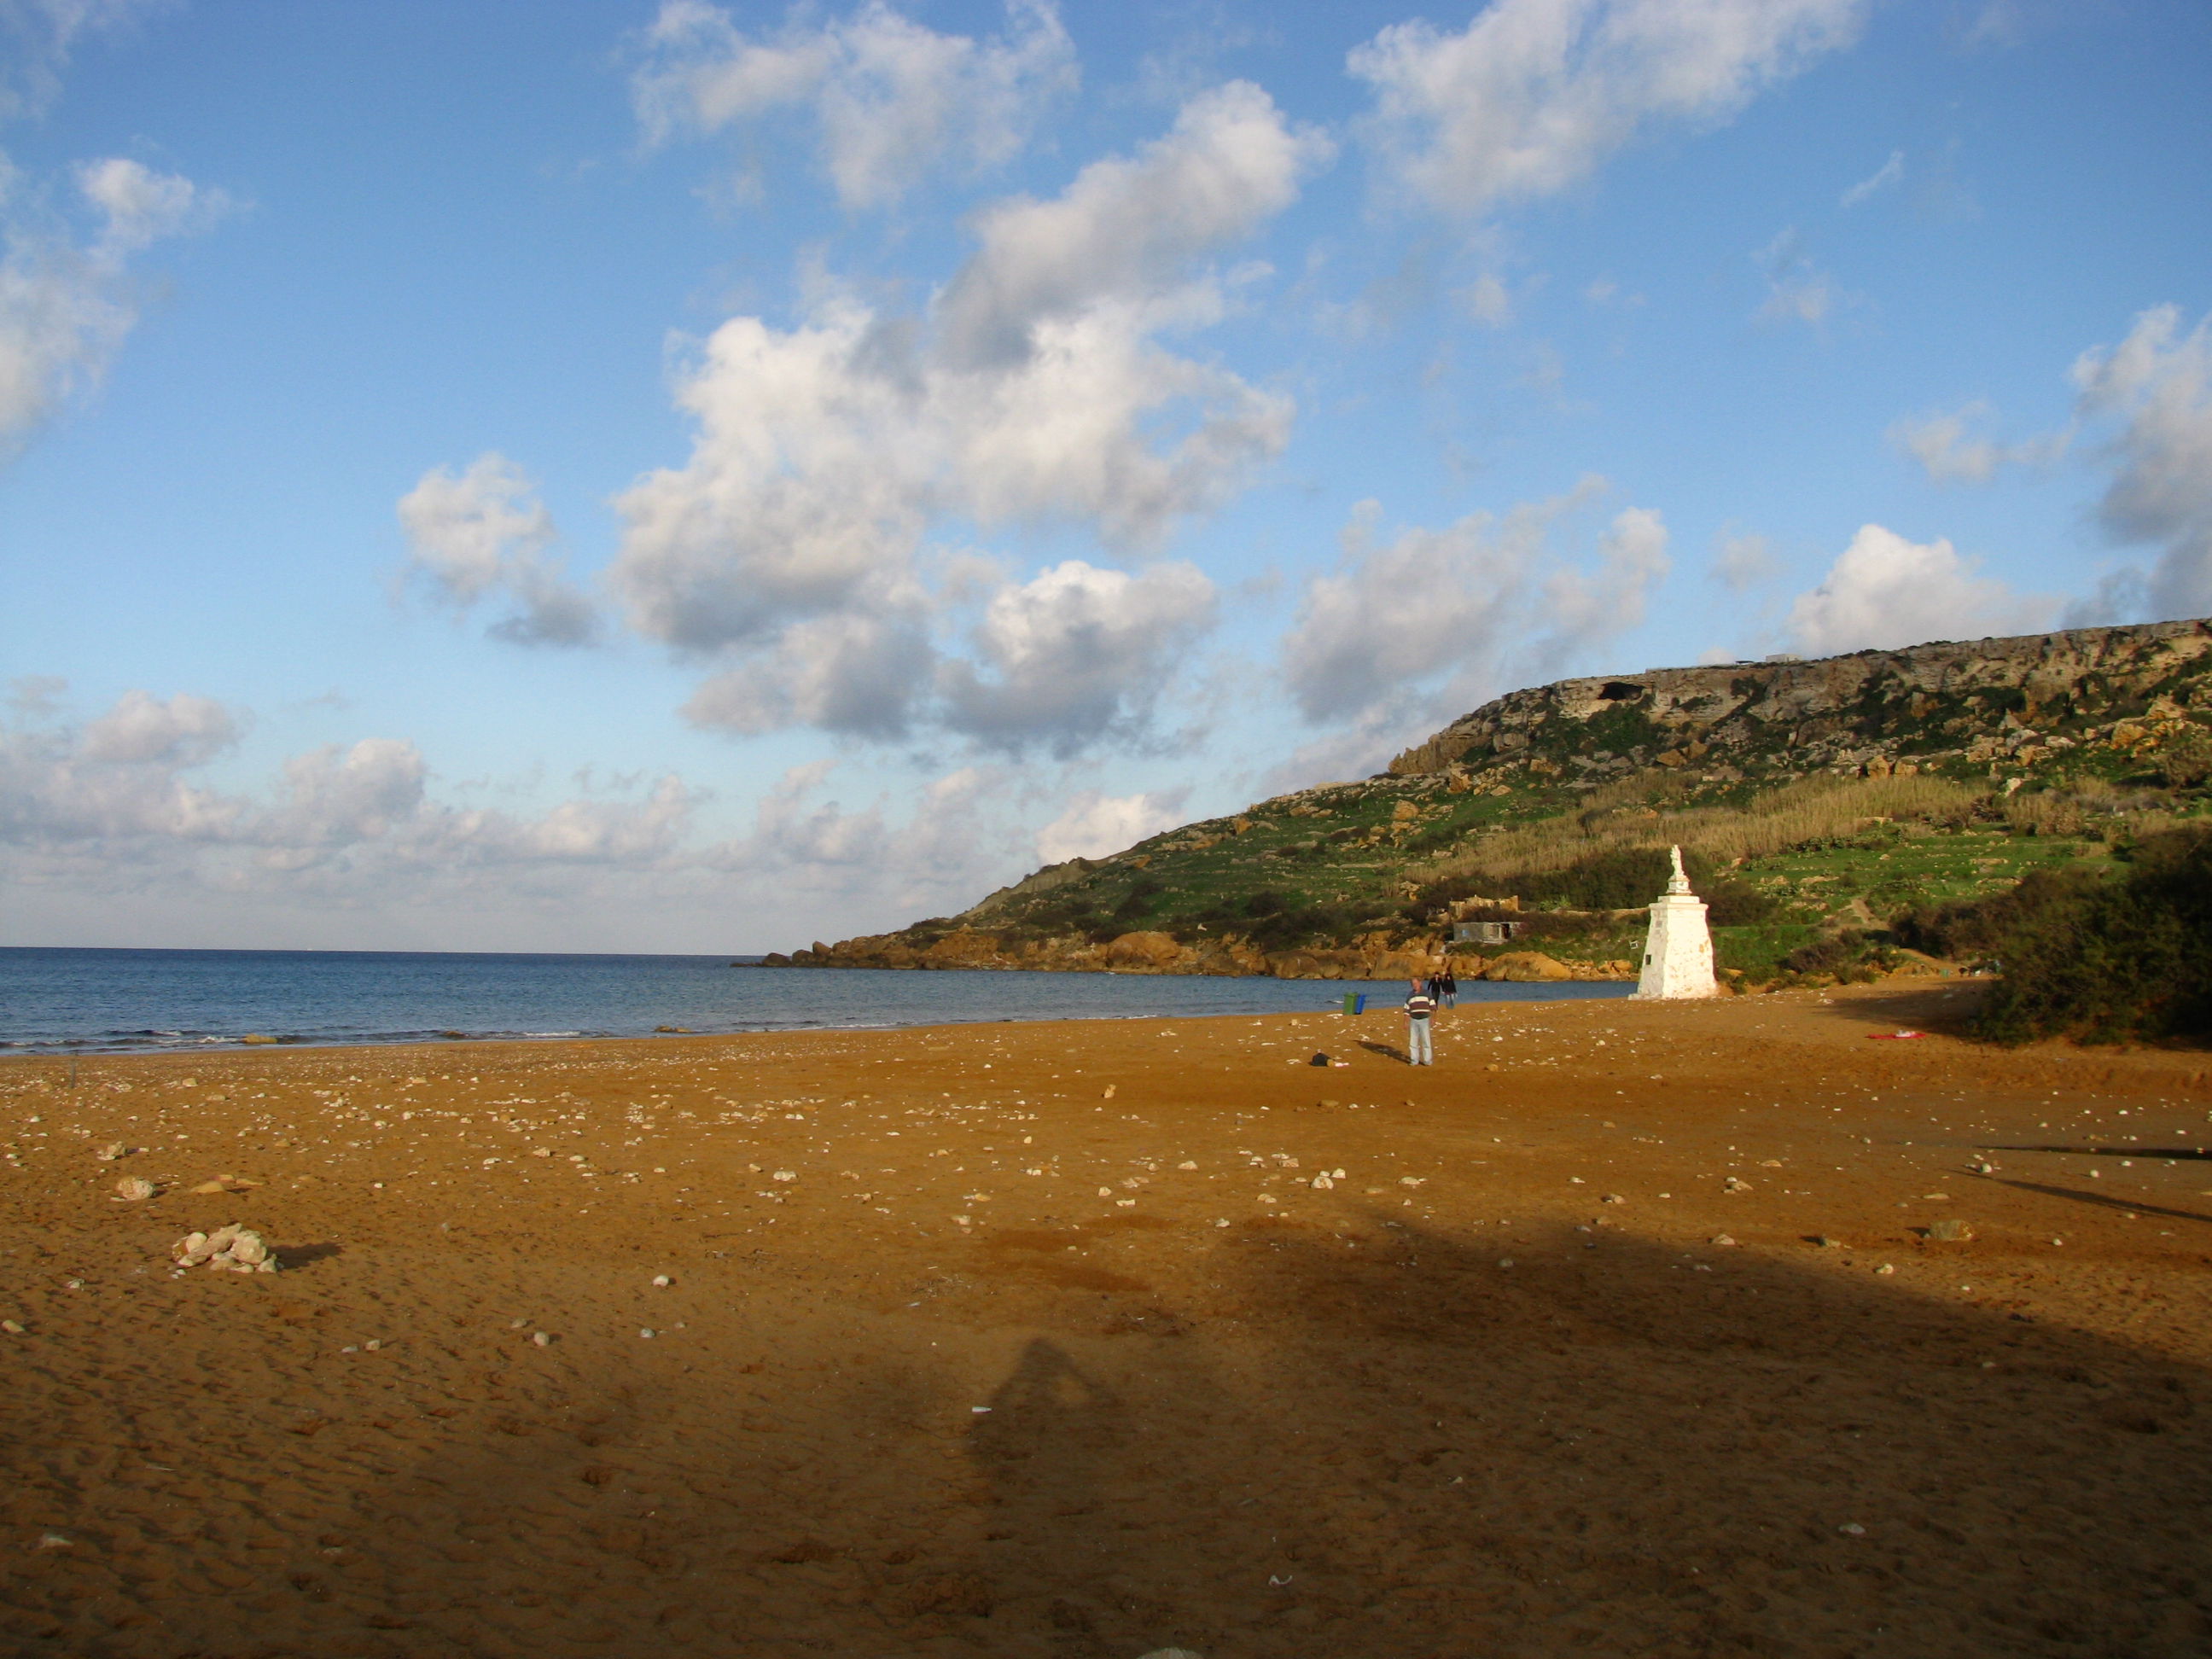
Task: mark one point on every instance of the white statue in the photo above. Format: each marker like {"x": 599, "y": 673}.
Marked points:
{"x": 1678, "y": 951}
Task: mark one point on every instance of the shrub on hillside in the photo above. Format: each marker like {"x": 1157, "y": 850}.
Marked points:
{"x": 1975, "y": 930}
{"x": 1850, "y": 956}
{"x": 2130, "y": 957}
{"x": 1617, "y": 879}
{"x": 2186, "y": 761}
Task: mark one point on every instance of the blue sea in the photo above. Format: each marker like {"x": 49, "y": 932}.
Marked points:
{"x": 81, "y": 1001}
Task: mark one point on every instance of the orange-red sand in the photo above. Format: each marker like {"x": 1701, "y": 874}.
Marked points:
{"x": 1010, "y": 1366}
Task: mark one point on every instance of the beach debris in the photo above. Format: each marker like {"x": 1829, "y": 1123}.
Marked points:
{"x": 1982, "y": 1166}
{"x": 1769, "y": 1163}
{"x": 647, "y": 1335}
{"x": 112, "y": 1150}
{"x": 1724, "y": 1239}
{"x": 1109, "y": 1094}
{"x": 1318, "y": 1059}
{"x": 1412, "y": 1181}
{"x": 1885, "y": 1270}
{"x": 1851, "y": 1528}
{"x": 1105, "y": 1192}
{"x": 1733, "y": 1185}
{"x": 661, "y": 1281}
{"x": 1950, "y": 1232}
{"x": 226, "y": 1183}
{"x": 134, "y": 1189}
{"x": 1187, "y": 1163}
{"x": 257, "y": 1036}
{"x": 1612, "y": 1198}
{"x": 234, "y": 1248}
{"x": 11, "y": 1328}
{"x": 1937, "y": 1198}
{"x": 1826, "y": 1242}
{"x": 54, "y": 1540}
{"x": 783, "y": 1175}
{"x": 1894, "y": 1036}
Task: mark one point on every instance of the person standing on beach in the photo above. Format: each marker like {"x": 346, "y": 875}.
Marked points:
{"x": 1419, "y": 1005}
{"x": 1448, "y": 987}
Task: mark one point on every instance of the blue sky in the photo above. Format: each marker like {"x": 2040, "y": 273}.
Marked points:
{"x": 695, "y": 478}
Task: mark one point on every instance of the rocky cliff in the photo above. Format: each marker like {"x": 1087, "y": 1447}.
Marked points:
{"x": 2019, "y": 743}
{"x": 1981, "y": 701}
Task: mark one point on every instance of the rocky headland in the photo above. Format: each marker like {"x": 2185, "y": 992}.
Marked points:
{"x": 1790, "y": 781}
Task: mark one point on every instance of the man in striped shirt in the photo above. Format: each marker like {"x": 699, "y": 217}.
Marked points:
{"x": 1418, "y": 1007}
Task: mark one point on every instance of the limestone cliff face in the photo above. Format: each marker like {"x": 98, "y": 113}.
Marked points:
{"x": 1979, "y": 700}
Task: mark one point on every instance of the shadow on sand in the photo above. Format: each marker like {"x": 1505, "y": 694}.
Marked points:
{"x": 1285, "y": 1441}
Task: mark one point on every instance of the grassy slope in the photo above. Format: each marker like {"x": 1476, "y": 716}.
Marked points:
{"x": 1817, "y": 847}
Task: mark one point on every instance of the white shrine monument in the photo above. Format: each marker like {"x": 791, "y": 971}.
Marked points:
{"x": 1678, "y": 951}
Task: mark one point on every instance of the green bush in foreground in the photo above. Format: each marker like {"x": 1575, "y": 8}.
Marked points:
{"x": 2106, "y": 961}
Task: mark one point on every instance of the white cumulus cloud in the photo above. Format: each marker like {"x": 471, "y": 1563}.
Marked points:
{"x": 1884, "y": 592}
{"x": 1534, "y": 95}
{"x": 66, "y": 301}
{"x": 1742, "y": 559}
{"x": 42, "y": 33}
{"x": 2157, "y": 384}
{"x": 1095, "y": 824}
{"x": 1874, "y": 183}
{"x": 483, "y": 534}
{"x": 1951, "y": 451}
{"x": 1408, "y": 633}
{"x": 1034, "y": 389}
{"x": 1076, "y": 653}
{"x": 892, "y": 100}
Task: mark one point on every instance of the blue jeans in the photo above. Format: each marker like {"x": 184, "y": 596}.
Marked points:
{"x": 1418, "y": 1048}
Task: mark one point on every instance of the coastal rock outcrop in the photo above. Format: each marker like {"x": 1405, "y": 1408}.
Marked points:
{"x": 2010, "y": 737}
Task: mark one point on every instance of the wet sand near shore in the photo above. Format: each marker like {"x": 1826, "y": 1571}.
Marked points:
{"x": 1094, "y": 1338}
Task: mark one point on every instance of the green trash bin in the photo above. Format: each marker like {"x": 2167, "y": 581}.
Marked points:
{"x": 1355, "y": 1002}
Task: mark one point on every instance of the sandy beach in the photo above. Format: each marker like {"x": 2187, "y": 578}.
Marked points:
{"x": 1620, "y": 1330}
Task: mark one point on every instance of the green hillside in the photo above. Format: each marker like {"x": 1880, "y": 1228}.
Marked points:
{"x": 1820, "y": 805}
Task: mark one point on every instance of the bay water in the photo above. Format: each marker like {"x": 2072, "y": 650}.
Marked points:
{"x": 61, "y": 1000}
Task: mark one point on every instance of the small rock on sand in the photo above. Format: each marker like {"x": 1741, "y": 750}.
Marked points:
{"x": 232, "y": 1248}
{"x": 1950, "y": 1232}
{"x": 133, "y": 1189}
